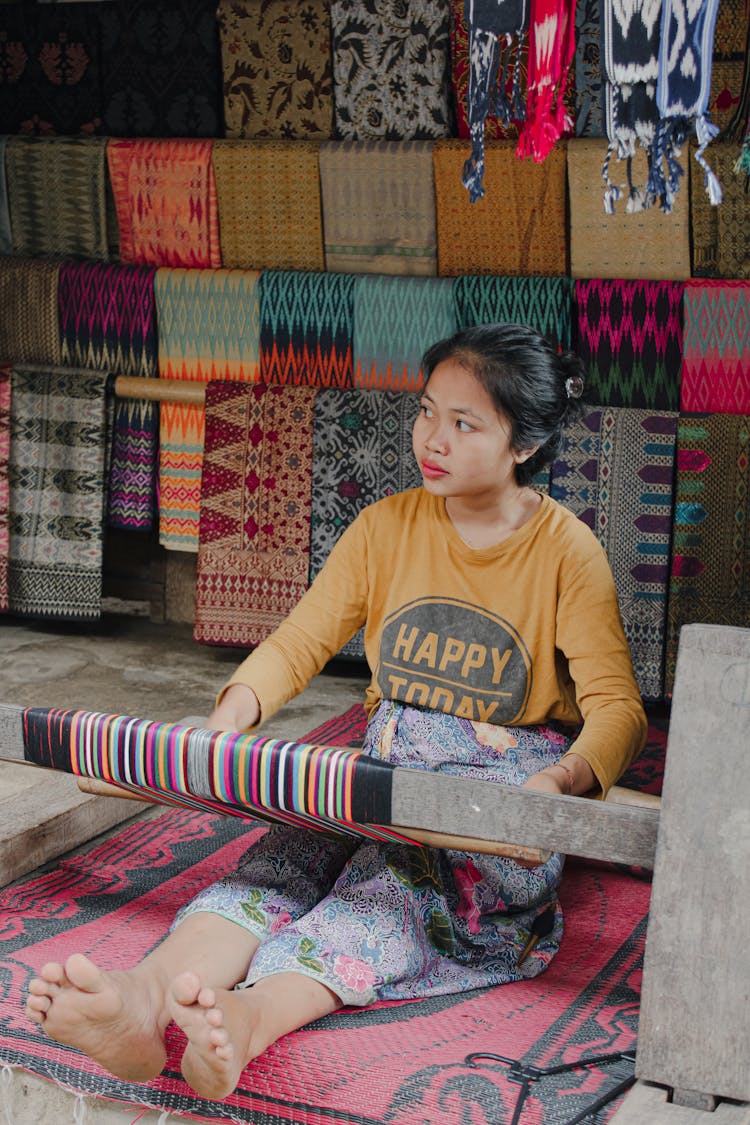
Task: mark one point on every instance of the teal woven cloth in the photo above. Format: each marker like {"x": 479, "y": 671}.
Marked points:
{"x": 306, "y": 326}
{"x": 395, "y": 320}
{"x": 542, "y": 303}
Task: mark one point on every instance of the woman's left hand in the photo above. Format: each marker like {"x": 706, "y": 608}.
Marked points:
{"x": 544, "y": 782}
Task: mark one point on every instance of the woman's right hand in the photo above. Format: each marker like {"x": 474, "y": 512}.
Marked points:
{"x": 239, "y": 709}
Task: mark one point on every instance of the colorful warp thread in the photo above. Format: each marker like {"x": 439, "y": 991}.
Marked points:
{"x": 588, "y": 80}
{"x": 551, "y": 52}
{"x": 515, "y": 57}
{"x": 269, "y": 204}
{"x": 391, "y": 67}
{"x": 361, "y": 453}
{"x": 57, "y": 491}
{"x": 165, "y": 198}
{"x": 616, "y": 473}
{"x": 306, "y": 326}
{"x": 4, "y": 491}
{"x": 721, "y": 235}
{"x": 57, "y": 195}
{"x": 629, "y": 337}
{"x": 716, "y": 347}
{"x": 519, "y": 228}
{"x": 29, "y": 327}
{"x": 276, "y": 60}
{"x": 320, "y": 787}
{"x": 254, "y": 553}
{"x": 108, "y": 322}
{"x": 643, "y": 244}
{"x": 378, "y": 202}
{"x": 161, "y": 69}
{"x": 395, "y": 320}
{"x": 543, "y": 303}
{"x": 710, "y": 570}
{"x": 209, "y": 325}
{"x": 6, "y": 244}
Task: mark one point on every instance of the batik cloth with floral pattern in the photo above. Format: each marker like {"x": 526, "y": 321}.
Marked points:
{"x": 374, "y": 921}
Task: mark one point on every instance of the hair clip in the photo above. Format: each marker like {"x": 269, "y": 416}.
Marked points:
{"x": 574, "y": 386}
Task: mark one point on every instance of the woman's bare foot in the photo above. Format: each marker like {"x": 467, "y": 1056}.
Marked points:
{"x": 115, "y": 1018}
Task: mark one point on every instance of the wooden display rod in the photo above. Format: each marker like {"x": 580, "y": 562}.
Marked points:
{"x": 161, "y": 390}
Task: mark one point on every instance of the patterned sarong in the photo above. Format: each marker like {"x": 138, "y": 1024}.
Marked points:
{"x": 57, "y": 195}
{"x": 716, "y": 347}
{"x": 254, "y": 553}
{"x": 616, "y": 473}
{"x": 108, "y": 322}
{"x": 646, "y": 244}
{"x": 276, "y": 60}
{"x": 378, "y": 207}
{"x": 269, "y": 204}
{"x": 543, "y": 303}
{"x": 496, "y": 127}
{"x": 29, "y": 328}
{"x": 209, "y": 323}
{"x": 57, "y": 491}
{"x": 306, "y": 327}
{"x": 721, "y": 235}
{"x": 6, "y": 245}
{"x": 165, "y": 197}
{"x": 710, "y": 571}
{"x": 391, "y": 70}
{"x": 629, "y": 336}
{"x": 395, "y": 320}
{"x": 161, "y": 68}
{"x": 4, "y": 493}
{"x": 518, "y": 228}
{"x": 589, "y": 93}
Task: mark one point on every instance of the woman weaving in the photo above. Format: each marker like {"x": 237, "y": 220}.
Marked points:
{"x": 496, "y": 648}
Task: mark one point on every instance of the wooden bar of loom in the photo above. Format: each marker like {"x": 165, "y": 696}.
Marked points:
{"x": 161, "y": 390}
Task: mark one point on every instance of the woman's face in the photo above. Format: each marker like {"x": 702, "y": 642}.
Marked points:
{"x": 461, "y": 442}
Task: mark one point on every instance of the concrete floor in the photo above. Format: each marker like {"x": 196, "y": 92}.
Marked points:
{"x": 128, "y": 666}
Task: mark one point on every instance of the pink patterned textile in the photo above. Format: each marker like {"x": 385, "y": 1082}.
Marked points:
{"x": 716, "y": 347}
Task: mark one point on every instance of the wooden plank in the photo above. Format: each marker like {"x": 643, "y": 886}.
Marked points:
{"x": 649, "y": 1105}
{"x": 695, "y": 1005}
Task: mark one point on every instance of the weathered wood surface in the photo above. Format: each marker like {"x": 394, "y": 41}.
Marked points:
{"x": 483, "y": 811}
{"x": 695, "y": 1004}
{"x": 648, "y": 1105}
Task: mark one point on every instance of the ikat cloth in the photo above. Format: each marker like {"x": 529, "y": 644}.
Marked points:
{"x": 543, "y": 303}
{"x": 254, "y": 552}
{"x": 589, "y": 103}
{"x": 4, "y": 491}
{"x": 29, "y": 326}
{"x": 447, "y": 921}
{"x": 616, "y": 472}
{"x": 499, "y": 123}
{"x": 306, "y": 327}
{"x": 716, "y": 347}
{"x": 57, "y": 479}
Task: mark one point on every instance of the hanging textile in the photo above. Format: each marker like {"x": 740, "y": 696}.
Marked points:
{"x": 515, "y": 56}
{"x": 716, "y": 347}
{"x": 519, "y": 228}
{"x": 551, "y": 52}
{"x": 543, "y": 303}
{"x": 721, "y": 235}
{"x": 209, "y": 323}
{"x": 29, "y": 327}
{"x": 165, "y": 197}
{"x": 306, "y": 326}
{"x": 108, "y": 323}
{"x": 6, "y": 245}
{"x": 629, "y": 336}
{"x": 588, "y": 81}
{"x": 391, "y": 67}
{"x": 615, "y": 471}
{"x": 395, "y": 320}
{"x": 57, "y": 196}
{"x": 161, "y": 68}
{"x": 710, "y": 569}
{"x": 378, "y": 207}
{"x": 276, "y": 60}
{"x": 269, "y": 204}
{"x": 647, "y": 244}
{"x": 4, "y": 491}
{"x": 254, "y": 553}
{"x": 57, "y": 491}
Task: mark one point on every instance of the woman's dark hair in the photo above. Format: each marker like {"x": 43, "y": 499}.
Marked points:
{"x": 531, "y": 384}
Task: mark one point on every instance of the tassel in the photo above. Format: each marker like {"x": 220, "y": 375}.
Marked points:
{"x": 6, "y": 1079}
{"x": 79, "y": 1110}
{"x": 705, "y": 131}
{"x": 613, "y": 193}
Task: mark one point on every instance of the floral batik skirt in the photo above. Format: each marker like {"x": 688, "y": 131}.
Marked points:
{"x": 389, "y": 921}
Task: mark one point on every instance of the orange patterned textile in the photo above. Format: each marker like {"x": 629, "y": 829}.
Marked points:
{"x": 256, "y": 503}
{"x": 517, "y": 229}
{"x": 165, "y": 197}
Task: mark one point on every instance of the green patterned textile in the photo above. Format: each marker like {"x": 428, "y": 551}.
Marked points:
{"x": 29, "y": 327}
{"x": 57, "y": 196}
{"x": 710, "y": 571}
{"x": 616, "y": 472}
{"x": 57, "y": 489}
{"x": 395, "y": 320}
{"x": 306, "y": 324}
{"x": 542, "y": 303}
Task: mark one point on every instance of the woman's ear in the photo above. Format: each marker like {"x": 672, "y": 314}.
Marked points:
{"x": 521, "y": 455}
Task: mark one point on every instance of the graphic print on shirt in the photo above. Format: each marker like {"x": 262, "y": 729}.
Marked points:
{"x": 452, "y": 656}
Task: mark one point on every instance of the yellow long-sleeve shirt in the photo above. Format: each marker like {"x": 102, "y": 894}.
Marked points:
{"x": 520, "y": 633}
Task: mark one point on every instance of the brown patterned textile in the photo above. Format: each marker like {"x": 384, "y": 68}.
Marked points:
{"x": 721, "y": 235}
{"x": 517, "y": 229}
{"x": 269, "y": 204}
{"x": 378, "y": 207}
{"x": 29, "y": 328}
{"x": 276, "y": 59}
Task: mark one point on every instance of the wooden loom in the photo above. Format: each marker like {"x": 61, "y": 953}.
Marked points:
{"x": 694, "y": 1037}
